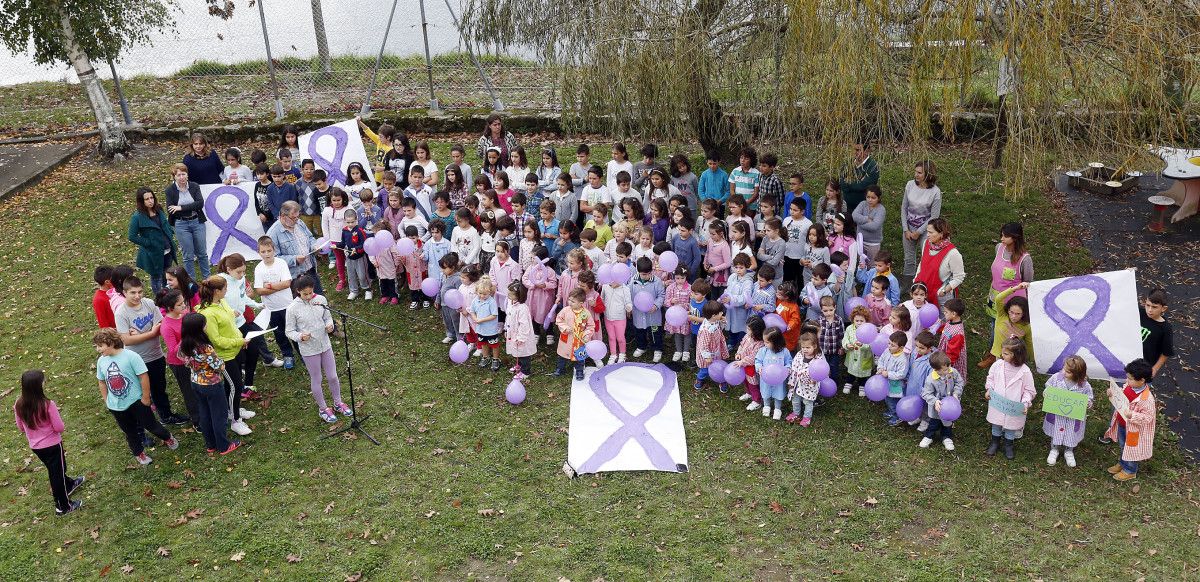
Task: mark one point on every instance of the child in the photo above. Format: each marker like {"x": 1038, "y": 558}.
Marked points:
{"x": 645, "y": 245}
{"x": 357, "y": 181}
{"x": 581, "y": 167}
{"x": 747, "y": 349}
{"x": 262, "y": 204}
{"x": 773, "y": 352}
{"x": 771, "y": 250}
{"x": 879, "y": 306}
{"x": 397, "y": 159}
{"x": 458, "y": 158}
{"x": 893, "y": 366}
{"x": 229, "y": 343}
{"x": 503, "y": 271}
{"x": 1010, "y": 382}
{"x": 882, "y": 268}
{"x": 493, "y": 164}
{"x": 829, "y": 338}
{"x": 619, "y": 163}
{"x": 766, "y": 211}
{"x": 443, "y": 213}
{"x": 487, "y": 238}
{"x": 679, "y": 292}
{"x": 235, "y": 172}
{"x": 642, "y": 170}
{"x": 549, "y": 225}
{"x": 100, "y": 305}
{"x": 273, "y": 283}
{"x": 818, "y": 288}
{"x": 465, "y": 240}
{"x": 566, "y": 201}
{"x": 531, "y": 239}
{"x": 1133, "y": 424}
{"x": 686, "y": 182}
{"x": 710, "y": 342}
{"x": 1067, "y": 433}
{"x": 707, "y": 216}
{"x": 898, "y": 320}
{"x": 138, "y": 322}
{"x": 436, "y": 247}
{"x": 817, "y": 251}
{"x": 786, "y": 306}
{"x": 594, "y": 303}
{"x": 567, "y": 243}
{"x": 368, "y": 212}
{"x": 125, "y": 387}
{"x": 520, "y": 212}
{"x": 575, "y": 327}
{"x": 859, "y": 357}
{"x": 520, "y": 341}
{"x": 448, "y": 265}
{"x": 769, "y": 186}
{"x": 796, "y": 192}
{"x": 829, "y": 205}
{"x": 943, "y": 381}
{"x": 1012, "y": 323}
{"x": 279, "y": 191}
{"x": 736, "y": 207}
{"x": 542, "y": 282}
{"x": 385, "y": 263}
{"x": 953, "y": 337}
{"x": 599, "y": 223}
{"x": 37, "y": 417}
{"x": 618, "y": 307}
{"x": 419, "y": 192}
{"x": 313, "y": 192}
{"x": 233, "y": 269}
{"x": 717, "y": 257}
{"x": 803, "y": 392}
{"x": 533, "y": 195}
{"x": 1157, "y": 342}
{"x": 177, "y": 278}
{"x": 485, "y": 319}
{"x": 633, "y": 216}
{"x": 309, "y": 324}
{"x": 917, "y": 293}
{"x": 736, "y": 296}
{"x": 415, "y": 269}
{"x": 352, "y": 240}
{"x": 794, "y": 251}
{"x": 332, "y": 220}
{"x": 206, "y": 372}
{"x": 686, "y": 248}
{"x": 762, "y": 301}
{"x": 919, "y": 369}
{"x": 657, "y": 220}
{"x": 620, "y": 236}
{"x": 595, "y": 192}
{"x": 174, "y": 307}
{"x": 518, "y": 166}
{"x": 841, "y": 281}
{"x": 699, "y": 295}
{"x": 410, "y": 217}
{"x": 587, "y": 240}
{"x": 287, "y": 159}
{"x": 714, "y": 182}
{"x": 743, "y": 180}
{"x": 421, "y": 157}
{"x": 568, "y": 280}
{"x": 647, "y": 326}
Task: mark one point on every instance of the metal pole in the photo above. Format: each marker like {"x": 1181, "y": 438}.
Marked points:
{"x": 434, "y": 109}
{"x": 270, "y": 63}
{"x": 120, "y": 93}
{"x": 496, "y": 104}
{"x": 365, "y": 112}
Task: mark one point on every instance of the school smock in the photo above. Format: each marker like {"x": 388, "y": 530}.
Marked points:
{"x": 859, "y": 361}
{"x": 653, "y": 286}
{"x": 1065, "y": 431}
{"x": 764, "y": 358}
{"x": 1139, "y": 427}
{"x": 938, "y": 386}
{"x": 1013, "y": 383}
{"x": 801, "y": 381}
{"x": 519, "y": 339}
{"x": 738, "y": 292}
{"x": 575, "y": 330}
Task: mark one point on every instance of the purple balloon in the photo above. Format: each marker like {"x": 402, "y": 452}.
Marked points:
{"x": 776, "y": 321}
{"x": 928, "y": 315}
{"x": 668, "y": 261}
{"x": 604, "y": 274}
{"x": 734, "y": 374}
{"x": 459, "y": 352}
{"x": 454, "y": 299}
{"x": 866, "y": 334}
{"x": 774, "y": 374}
{"x": 818, "y": 369}
{"x": 951, "y": 409}
{"x": 386, "y": 237}
{"x": 828, "y": 388}
{"x": 430, "y": 287}
{"x": 879, "y": 345}
{"x": 909, "y": 408}
{"x": 644, "y": 301}
{"x": 677, "y": 315}
{"x": 596, "y": 350}
{"x": 620, "y": 273}
{"x": 876, "y": 388}
{"x": 853, "y": 302}
{"x": 371, "y": 247}
{"x": 716, "y": 370}
{"x": 405, "y": 247}
{"x": 515, "y": 392}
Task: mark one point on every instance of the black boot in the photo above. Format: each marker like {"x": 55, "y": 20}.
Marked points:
{"x": 995, "y": 446}
{"x": 1008, "y": 449}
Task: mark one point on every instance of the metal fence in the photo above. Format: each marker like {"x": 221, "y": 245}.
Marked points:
{"x": 209, "y": 70}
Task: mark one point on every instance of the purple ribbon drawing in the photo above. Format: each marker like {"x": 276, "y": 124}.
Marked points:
{"x": 227, "y": 224}
{"x": 633, "y": 427}
{"x": 1082, "y": 331}
{"x": 332, "y": 167}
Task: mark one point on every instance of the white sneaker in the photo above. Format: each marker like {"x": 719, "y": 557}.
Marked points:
{"x": 369, "y": 296}
{"x": 332, "y": 264}
{"x": 425, "y": 304}
{"x": 687, "y": 357}
{"x": 948, "y": 443}
{"x": 778, "y": 414}
{"x": 846, "y": 388}
{"x": 246, "y": 414}
{"x": 240, "y": 427}
{"x": 549, "y": 340}
{"x": 923, "y": 426}
{"x": 745, "y": 397}
{"x": 620, "y": 358}
{"x": 639, "y": 353}
{"x": 1052, "y": 458}
{"x": 753, "y": 406}
{"x": 616, "y": 358}
{"x": 1069, "y": 455}
{"x": 276, "y": 363}
{"x": 675, "y": 358}
{"x": 657, "y": 356}
{"x": 862, "y": 392}
{"x": 925, "y": 442}
{"x": 412, "y": 305}
{"x": 352, "y": 296}
{"x": 446, "y": 340}
{"x": 766, "y": 411}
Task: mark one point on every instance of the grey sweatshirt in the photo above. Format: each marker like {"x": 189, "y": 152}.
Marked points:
{"x": 870, "y": 222}
{"x": 310, "y": 317}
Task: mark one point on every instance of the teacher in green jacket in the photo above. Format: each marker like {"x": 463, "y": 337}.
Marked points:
{"x": 862, "y": 173}
{"x": 154, "y": 237}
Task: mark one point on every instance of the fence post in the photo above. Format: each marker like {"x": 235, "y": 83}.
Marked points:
{"x": 434, "y": 109}
{"x": 487, "y": 82}
{"x": 365, "y": 112}
{"x": 120, "y": 93}
{"x": 270, "y": 63}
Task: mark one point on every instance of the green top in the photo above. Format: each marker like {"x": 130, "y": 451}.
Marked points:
{"x": 153, "y": 237}
{"x": 1006, "y": 329}
{"x": 858, "y": 362}
{"x": 222, "y": 329}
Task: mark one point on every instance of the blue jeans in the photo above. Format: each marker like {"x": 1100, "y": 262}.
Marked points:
{"x": 936, "y": 426}
{"x": 835, "y": 365}
{"x": 1127, "y": 466}
{"x": 735, "y": 340}
{"x": 214, "y": 414}
{"x": 191, "y": 242}
{"x": 891, "y": 415}
{"x": 998, "y": 430}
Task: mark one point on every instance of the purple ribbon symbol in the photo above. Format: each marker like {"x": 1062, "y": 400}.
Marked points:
{"x": 332, "y": 167}
{"x": 1082, "y": 331}
{"x": 227, "y": 224}
{"x": 633, "y": 427}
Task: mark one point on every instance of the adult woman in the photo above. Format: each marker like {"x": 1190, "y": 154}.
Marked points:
{"x": 941, "y": 267}
{"x": 494, "y": 135}
{"x": 1011, "y": 266}
{"x": 203, "y": 164}
{"x": 869, "y": 216}
{"x": 922, "y": 203}
{"x": 185, "y": 207}
{"x": 154, "y": 237}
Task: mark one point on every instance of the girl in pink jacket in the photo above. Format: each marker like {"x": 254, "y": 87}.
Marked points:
{"x": 504, "y": 271}
{"x": 38, "y": 418}
{"x": 519, "y": 339}
{"x": 1010, "y": 391}
{"x": 542, "y": 283}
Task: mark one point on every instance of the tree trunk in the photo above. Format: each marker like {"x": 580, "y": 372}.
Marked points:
{"x": 713, "y": 131}
{"x": 322, "y": 43}
{"x": 112, "y": 137}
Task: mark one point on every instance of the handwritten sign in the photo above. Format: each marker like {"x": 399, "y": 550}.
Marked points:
{"x": 1072, "y": 405}
{"x": 332, "y": 148}
{"x": 1094, "y": 317}
{"x": 1006, "y": 406}
{"x": 232, "y": 225}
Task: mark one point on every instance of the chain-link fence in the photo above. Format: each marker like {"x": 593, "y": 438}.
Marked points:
{"x": 210, "y": 70}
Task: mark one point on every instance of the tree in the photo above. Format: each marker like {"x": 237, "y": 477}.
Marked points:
{"x": 106, "y": 26}
{"x": 1092, "y": 79}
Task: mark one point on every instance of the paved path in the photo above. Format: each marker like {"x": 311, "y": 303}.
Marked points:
{"x": 23, "y": 165}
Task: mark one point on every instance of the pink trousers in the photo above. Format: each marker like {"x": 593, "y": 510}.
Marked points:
{"x": 616, "y": 335}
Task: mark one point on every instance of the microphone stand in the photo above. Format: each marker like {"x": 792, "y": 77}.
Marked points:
{"x": 356, "y": 421}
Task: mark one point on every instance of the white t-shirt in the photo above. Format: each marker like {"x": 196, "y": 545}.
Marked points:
{"x": 273, "y": 273}
{"x": 595, "y": 195}
{"x": 614, "y": 167}
{"x": 618, "y": 197}
{"x": 429, "y": 166}
{"x": 243, "y": 171}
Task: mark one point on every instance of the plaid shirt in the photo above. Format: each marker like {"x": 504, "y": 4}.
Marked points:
{"x": 771, "y": 188}
{"x": 830, "y": 337}
{"x": 520, "y": 220}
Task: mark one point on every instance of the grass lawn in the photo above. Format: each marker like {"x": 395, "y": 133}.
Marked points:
{"x": 466, "y": 485}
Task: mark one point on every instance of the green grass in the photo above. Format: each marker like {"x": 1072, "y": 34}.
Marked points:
{"x": 452, "y": 447}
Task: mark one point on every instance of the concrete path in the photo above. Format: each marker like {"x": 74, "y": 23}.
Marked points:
{"x": 22, "y": 166}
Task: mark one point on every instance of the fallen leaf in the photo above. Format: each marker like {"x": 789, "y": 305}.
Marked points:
{"x": 178, "y": 522}
{"x": 764, "y": 461}
{"x": 147, "y": 492}
{"x": 22, "y": 491}
{"x": 1137, "y": 488}
{"x": 174, "y": 485}
{"x": 1058, "y": 524}
{"x": 1133, "y": 534}
{"x": 238, "y": 557}
{"x": 329, "y": 508}
{"x": 245, "y": 482}
{"x": 871, "y": 502}
{"x": 355, "y": 577}
{"x": 844, "y": 514}
{"x": 430, "y": 514}
{"x": 126, "y": 569}
{"x": 776, "y": 507}
{"x": 163, "y": 552}
{"x": 193, "y": 514}
{"x": 487, "y": 512}
{"x": 95, "y": 533}
{"x": 189, "y": 473}
{"x": 456, "y": 503}
{"x": 293, "y": 558}
{"x": 105, "y": 570}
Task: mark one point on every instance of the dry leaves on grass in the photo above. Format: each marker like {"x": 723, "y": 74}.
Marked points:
{"x": 126, "y": 569}
{"x": 238, "y": 557}
{"x": 293, "y": 558}
{"x": 163, "y": 552}
{"x": 776, "y": 507}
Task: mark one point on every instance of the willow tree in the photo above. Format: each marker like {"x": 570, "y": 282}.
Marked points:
{"x": 1082, "y": 79}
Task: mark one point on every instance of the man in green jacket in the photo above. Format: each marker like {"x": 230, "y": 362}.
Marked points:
{"x": 863, "y": 173}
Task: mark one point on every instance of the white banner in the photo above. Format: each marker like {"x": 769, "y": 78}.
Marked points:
{"x": 332, "y": 148}
{"x": 232, "y": 225}
{"x": 1094, "y": 317}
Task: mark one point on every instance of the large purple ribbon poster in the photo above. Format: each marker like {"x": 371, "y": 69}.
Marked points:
{"x": 626, "y": 417}
{"x": 1092, "y": 316}
{"x": 232, "y": 225}
{"x": 332, "y": 148}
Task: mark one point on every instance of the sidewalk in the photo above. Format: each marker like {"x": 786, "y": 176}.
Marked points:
{"x": 23, "y": 165}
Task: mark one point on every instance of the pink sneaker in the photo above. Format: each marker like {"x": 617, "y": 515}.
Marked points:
{"x": 383, "y": 301}
{"x": 792, "y": 417}
{"x": 806, "y": 422}
{"x": 340, "y": 286}
{"x": 395, "y": 301}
